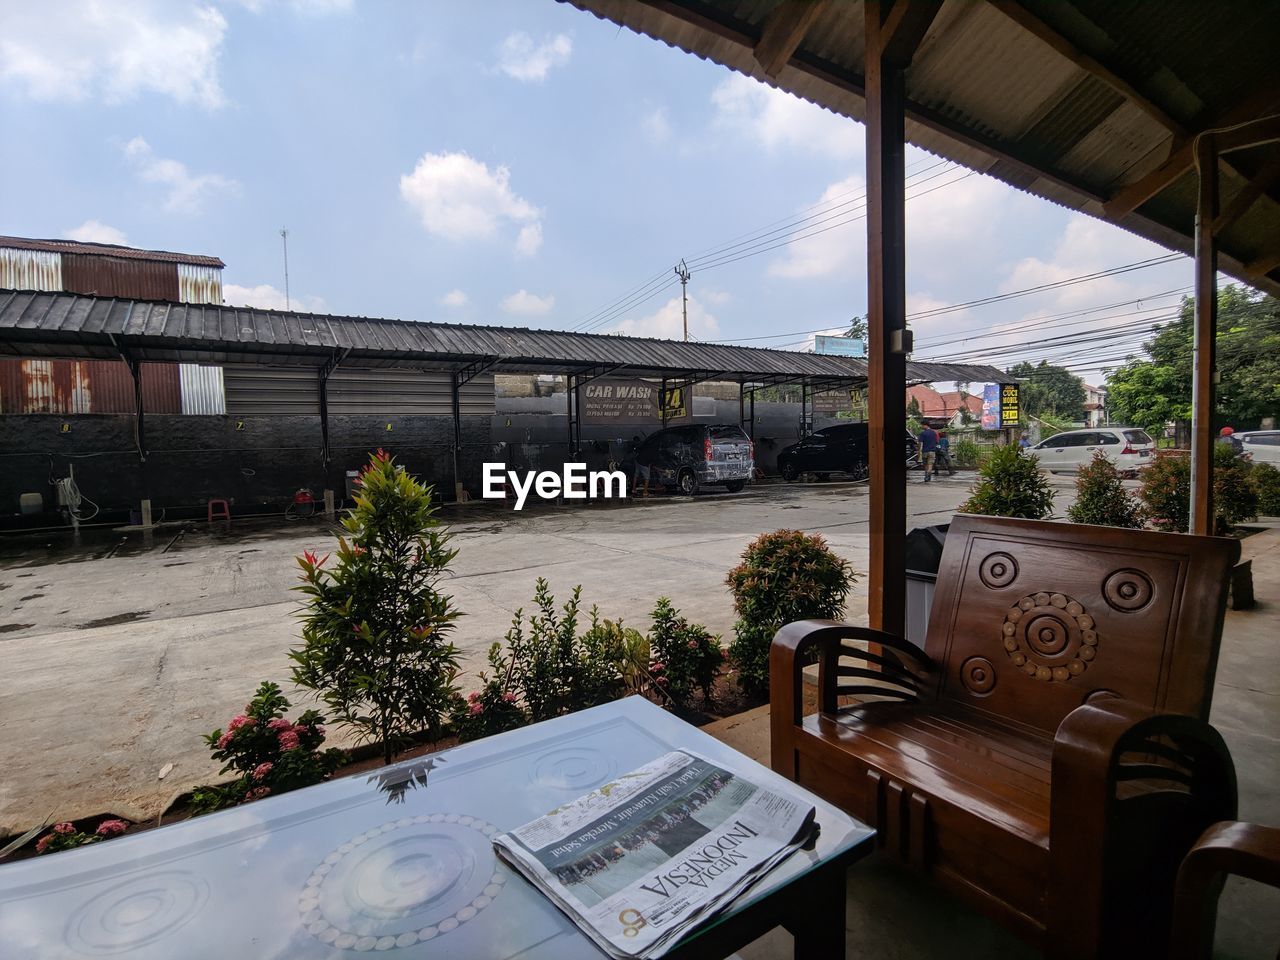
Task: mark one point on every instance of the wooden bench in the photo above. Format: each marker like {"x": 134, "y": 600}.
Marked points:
{"x": 1047, "y": 756}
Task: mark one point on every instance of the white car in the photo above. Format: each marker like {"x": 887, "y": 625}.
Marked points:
{"x": 1129, "y": 448}
{"x": 1262, "y": 445}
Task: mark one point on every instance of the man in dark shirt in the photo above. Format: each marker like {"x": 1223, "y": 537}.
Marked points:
{"x": 928, "y": 439}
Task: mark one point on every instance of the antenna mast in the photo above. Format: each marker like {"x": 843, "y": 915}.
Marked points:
{"x": 284, "y": 238}
{"x": 683, "y": 273}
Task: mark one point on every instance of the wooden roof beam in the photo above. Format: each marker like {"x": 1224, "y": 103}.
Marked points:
{"x": 904, "y": 28}
{"x": 1016, "y": 12}
{"x": 784, "y": 29}
{"x": 1266, "y": 181}
{"x": 1259, "y": 268}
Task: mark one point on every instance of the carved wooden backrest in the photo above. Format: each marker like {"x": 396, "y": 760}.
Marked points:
{"x": 1030, "y": 619}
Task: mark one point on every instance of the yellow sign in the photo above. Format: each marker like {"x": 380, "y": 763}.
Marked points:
{"x": 673, "y": 405}
{"x": 1009, "y": 412}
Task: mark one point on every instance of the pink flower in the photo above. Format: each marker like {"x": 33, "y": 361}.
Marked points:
{"x": 111, "y": 828}
{"x": 257, "y": 793}
{"x": 64, "y": 828}
{"x": 319, "y": 731}
{"x": 224, "y": 740}
{"x": 509, "y": 697}
{"x": 261, "y": 770}
{"x": 288, "y": 740}
{"x": 693, "y": 644}
{"x": 43, "y": 843}
{"x": 473, "y": 696}
{"x": 278, "y": 724}
{"x": 724, "y": 654}
{"x": 240, "y": 721}
{"x": 657, "y": 667}
{"x": 476, "y": 709}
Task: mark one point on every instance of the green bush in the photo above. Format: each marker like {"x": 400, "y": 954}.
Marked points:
{"x": 1166, "y": 490}
{"x": 966, "y": 454}
{"x": 1101, "y": 497}
{"x": 685, "y": 656}
{"x": 556, "y": 671}
{"x": 1010, "y": 484}
{"x": 271, "y": 754}
{"x": 493, "y": 708}
{"x": 1266, "y": 485}
{"x": 375, "y": 625}
{"x": 784, "y": 576}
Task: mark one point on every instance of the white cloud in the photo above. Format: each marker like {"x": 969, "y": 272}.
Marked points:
{"x": 521, "y": 58}
{"x": 307, "y": 8}
{"x": 113, "y": 51}
{"x": 779, "y": 120}
{"x": 667, "y": 322}
{"x": 267, "y": 297}
{"x": 656, "y": 126}
{"x": 827, "y": 250}
{"x": 715, "y": 297}
{"x": 529, "y": 240}
{"x": 95, "y": 231}
{"x": 458, "y": 198}
{"x": 186, "y": 192}
{"x": 528, "y": 304}
{"x": 454, "y": 298}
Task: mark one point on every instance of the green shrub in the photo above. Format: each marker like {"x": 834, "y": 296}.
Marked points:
{"x": 966, "y": 454}
{"x": 1101, "y": 497}
{"x": 494, "y": 708}
{"x": 554, "y": 670}
{"x": 784, "y": 576}
{"x": 271, "y": 754}
{"x": 1266, "y": 484}
{"x": 375, "y": 625}
{"x": 685, "y": 656}
{"x": 1010, "y": 484}
{"x": 65, "y": 836}
{"x": 1166, "y": 490}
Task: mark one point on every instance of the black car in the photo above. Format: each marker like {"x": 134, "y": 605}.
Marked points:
{"x": 841, "y": 448}
{"x": 694, "y": 456}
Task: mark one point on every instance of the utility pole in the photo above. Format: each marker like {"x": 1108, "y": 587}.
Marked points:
{"x": 284, "y": 238}
{"x": 683, "y": 273}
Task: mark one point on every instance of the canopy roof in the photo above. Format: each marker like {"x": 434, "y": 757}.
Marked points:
{"x": 41, "y": 324}
{"x": 1092, "y": 104}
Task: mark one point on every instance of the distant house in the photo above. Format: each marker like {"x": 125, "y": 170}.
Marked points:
{"x": 1095, "y": 406}
{"x": 950, "y": 406}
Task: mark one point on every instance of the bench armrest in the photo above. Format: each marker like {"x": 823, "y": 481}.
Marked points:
{"x": 1244, "y": 849}
{"x": 1125, "y": 778}
{"x": 900, "y": 662}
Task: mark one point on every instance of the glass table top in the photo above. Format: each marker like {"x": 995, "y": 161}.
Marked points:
{"x": 397, "y": 861}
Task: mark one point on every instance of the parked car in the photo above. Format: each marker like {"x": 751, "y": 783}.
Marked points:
{"x": 1262, "y": 445}
{"x": 695, "y": 456}
{"x": 841, "y": 448}
{"x": 1129, "y": 448}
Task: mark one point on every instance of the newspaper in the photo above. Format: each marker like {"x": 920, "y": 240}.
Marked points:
{"x": 641, "y": 861}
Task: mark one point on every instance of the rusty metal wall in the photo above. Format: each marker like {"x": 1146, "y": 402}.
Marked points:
{"x": 30, "y": 269}
{"x": 119, "y": 277}
{"x": 85, "y": 386}
{"x": 197, "y": 284}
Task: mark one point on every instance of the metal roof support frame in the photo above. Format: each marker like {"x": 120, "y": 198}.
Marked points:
{"x": 458, "y": 378}
{"x": 135, "y": 371}
{"x": 322, "y": 390}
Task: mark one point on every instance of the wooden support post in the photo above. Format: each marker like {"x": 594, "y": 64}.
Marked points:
{"x": 886, "y": 321}
{"x": 328, "y": 504}
{"x": 146, "y": 515}
{"x": 1204, "y": 370}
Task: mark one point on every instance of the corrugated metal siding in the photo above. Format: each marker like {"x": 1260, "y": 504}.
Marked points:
{"x": 262, "y": 391}
{"x": 199, "y": 284}
{"x": 202, "y": 390}
{"x": 384, "y": 392}
{"x": 85, "y": 386}
{"x": 30, "y": 269}
{"x": 108, "y": 250}
{"x": 119, "y": 277}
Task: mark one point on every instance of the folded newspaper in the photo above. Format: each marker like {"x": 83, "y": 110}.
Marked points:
{"x": 643, "y": 860}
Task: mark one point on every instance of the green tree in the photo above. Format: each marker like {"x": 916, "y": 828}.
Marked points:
{"x": 1152, "y": 390}
{"x": 375, "y": 627}
{"x": 913, "y": 409}
{"x": 1049, "y": 390}
{"x": 1010, "y": 484}
{"x": 1101, "y": 497}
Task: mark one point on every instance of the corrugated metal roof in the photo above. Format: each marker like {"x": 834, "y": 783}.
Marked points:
{"x": 986, "y": 92}
{"x": 71, "y": 325}
{"x": 108, "y": 250}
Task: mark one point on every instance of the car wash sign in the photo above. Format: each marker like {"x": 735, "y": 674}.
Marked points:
{"x": 1000, "y": 406}
{"x": 620, "y": 401}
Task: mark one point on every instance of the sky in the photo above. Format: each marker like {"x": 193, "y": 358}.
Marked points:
{"x": 521, "y": 163}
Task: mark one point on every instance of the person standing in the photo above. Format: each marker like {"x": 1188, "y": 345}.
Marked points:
{"x": 1227, "y": 437}
{"x": 944, "y": 453}
{"x": 928, "y": 439}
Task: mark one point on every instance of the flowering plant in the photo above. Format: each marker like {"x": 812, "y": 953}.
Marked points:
{"x": 271, "y": 753}
{"x": 491, "y": 709}
{"x": 64, "y": 836}
{"x": 685, "y": 656}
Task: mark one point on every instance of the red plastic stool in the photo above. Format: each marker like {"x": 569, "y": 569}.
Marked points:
{"x": 219, "y": 509}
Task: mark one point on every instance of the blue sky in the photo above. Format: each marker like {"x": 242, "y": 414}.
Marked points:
{"x": 516, "y": 163}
